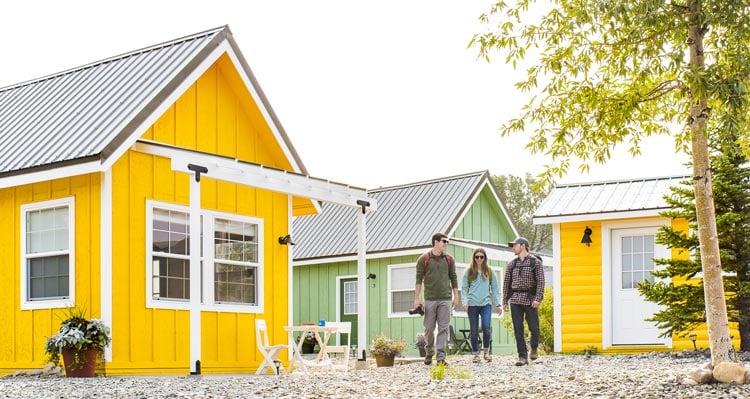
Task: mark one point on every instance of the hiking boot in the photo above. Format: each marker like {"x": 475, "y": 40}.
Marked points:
{"x": 443, "y": 362}
{"x": 476, "y": 358}
{"x": 522, "y": 362}
{"x": 428, "y": 360}
{"x": 487, "y": 355}
{"x": 533, "y": 355}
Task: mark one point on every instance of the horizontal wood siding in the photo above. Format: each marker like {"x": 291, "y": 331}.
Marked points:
{"x": 25, "y": 332}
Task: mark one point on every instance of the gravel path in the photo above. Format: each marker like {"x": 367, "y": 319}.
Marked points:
{"x": 645, "y": 376}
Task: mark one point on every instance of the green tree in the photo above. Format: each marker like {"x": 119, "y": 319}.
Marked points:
{"x": 618, "y": 71}
{"x": 519, "y": 196}
{"x": 684, "y": 305}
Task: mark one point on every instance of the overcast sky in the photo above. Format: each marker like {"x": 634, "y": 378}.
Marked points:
{"x": 372, "y": 94}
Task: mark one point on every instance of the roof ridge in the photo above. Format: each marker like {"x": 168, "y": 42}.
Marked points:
{"x": 426, "y": 182}
{"x": 622, "y": 181}
{"x": 168, "y": 43}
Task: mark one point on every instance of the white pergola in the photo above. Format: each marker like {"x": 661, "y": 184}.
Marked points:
{"x": 232, "y": 170}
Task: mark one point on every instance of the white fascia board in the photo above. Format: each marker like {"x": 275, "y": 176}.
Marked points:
{"x": 597, "y": 216}
{"x": 252, "y": 175}
{"x": 51, "y": 174}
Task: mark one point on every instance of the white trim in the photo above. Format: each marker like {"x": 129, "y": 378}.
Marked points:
{"x": 598, "y": 216}
{"x": 168, "y": 102}
{"x": 150, "y": 301}
{"x": 51, "y": 174}
{"x": 239, "y": 172}
{"x": 290, "y": 278}
{"x": 606, "y": 261}
{"x": 557, "y": 288}
{"x": 339, "y": 297}
{"x": 352, "y": 258}
{"x": 68, "y": 301}
{"x": 388, "y": 291}
{"x": 105, "y": 256}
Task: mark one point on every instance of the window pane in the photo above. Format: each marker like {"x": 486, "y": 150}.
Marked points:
{"x": 627, "y": 262}
{"x": 402, "y": 301}
{"x": 236, "y": 241}
{"x": 48, "y": 277}
{"x": 171, "y": 278}
{"x": 170, "y": 232}
{"x": 234, "y": 283}
{"x": 627, "y": 244}
{"x": 402, "y": 278}
{"x": 47, "y": 230}
{"x": 627, "y": 280}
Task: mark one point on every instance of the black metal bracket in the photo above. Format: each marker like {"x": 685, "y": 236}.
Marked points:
{"x": 198, "y": 170}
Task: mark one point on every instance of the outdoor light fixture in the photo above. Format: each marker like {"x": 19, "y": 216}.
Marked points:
{"x": 286, "y": 240}
{"x": 693, "y": 337}
{"x": 277, "y": 363}
{"x": 371, "y": 276}
{"x": 586, "y": 236}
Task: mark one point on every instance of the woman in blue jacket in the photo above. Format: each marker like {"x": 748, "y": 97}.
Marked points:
{"x": 479, "y": 291}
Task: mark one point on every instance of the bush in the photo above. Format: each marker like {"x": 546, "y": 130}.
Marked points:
{"x": 546, "y": 323}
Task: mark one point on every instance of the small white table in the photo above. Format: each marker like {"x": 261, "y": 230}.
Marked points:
{"x": 322, "y": 334}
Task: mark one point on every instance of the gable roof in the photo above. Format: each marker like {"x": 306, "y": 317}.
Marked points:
{"x": 406, "y": 218}
{"x": 89, "y": 113}
{"x": 606, "y": 200}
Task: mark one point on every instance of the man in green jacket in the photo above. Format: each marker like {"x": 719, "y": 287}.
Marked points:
{"x": 436, "y": 270}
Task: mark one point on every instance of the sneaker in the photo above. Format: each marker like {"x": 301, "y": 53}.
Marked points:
{"x": 443, "y": 362}
{"x": 487, "y": 355}
{"x": 428, "y": 360}
{"x": 533, "y": 355}
{"x": 476, "y": 358}
{"x": 522, "y": 362}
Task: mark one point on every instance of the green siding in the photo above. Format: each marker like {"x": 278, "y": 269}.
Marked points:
{"x": 484, "y": 221}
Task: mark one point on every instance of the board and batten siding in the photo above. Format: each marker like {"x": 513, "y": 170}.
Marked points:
{"x": 215, "y": 115}
{"x": 25, "y": 332}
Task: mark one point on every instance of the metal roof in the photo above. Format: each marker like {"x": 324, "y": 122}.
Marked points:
{"x": 582, "y": 201}
{"x": 86, "y": 113}
{"x": 406, "y": 218}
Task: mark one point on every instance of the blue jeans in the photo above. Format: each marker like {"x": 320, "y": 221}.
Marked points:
{"x": 518, "y": 313}
{"x": 486, "y": 313}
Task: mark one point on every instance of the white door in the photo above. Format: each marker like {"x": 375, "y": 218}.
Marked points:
{"x": 633, "y": 251}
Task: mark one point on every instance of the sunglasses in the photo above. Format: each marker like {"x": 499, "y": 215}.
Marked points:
{"x": 444, "y": 241}
{"x": 478, "y": 256}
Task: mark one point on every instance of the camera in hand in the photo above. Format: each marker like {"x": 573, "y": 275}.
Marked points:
{"x": 418, "y": 310}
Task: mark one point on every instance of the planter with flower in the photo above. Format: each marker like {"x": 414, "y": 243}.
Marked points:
{"x": 420, "y": 342}
{"x": 384, "y": 350}
{"x": 79, "y": 341}
{"x": 308, "y": 342}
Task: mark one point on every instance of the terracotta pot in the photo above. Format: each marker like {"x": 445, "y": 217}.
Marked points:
{"x": 87, "y": 369}
{"x": 384, "y": 360}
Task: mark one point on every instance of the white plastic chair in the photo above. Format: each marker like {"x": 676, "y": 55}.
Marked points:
{"x": 340, "y": 362}
{"x": 269, "y": 352}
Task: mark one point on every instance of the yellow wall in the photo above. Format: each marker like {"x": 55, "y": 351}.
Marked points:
{"x": 25, "y": 332}
{"x": 581, "y": 285}
{"x": 210, "y": 117}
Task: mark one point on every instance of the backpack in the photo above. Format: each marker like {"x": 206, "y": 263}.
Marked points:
{"x": 448, "y": 259}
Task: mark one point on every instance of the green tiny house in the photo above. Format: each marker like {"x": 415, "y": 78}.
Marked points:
{"x": 466, "y": 207}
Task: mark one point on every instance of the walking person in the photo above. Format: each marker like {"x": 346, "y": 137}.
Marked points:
{"x": 479, "y": 291}
{"x": 436, "y": 271}
{"x": 523, "y": 290}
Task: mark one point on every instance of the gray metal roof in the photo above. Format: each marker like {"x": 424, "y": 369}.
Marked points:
{"x": 406, "y": 218}
{"x": 582, "y": 200}
{"x": 86, "y": 113}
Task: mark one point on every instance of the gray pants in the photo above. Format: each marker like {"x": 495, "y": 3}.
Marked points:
{"x": 436, "y": 312}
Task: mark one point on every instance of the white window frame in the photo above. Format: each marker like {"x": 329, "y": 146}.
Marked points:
{"x": 69, "y": 301}
{"x": 391, "y": 268}
{"x": 207, "y": 261}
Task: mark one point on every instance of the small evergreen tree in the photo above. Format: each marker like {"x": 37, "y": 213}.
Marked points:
{"x": 684, "y": 302}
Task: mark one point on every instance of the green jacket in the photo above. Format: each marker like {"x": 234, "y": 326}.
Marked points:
{"x": 439, "y": 279}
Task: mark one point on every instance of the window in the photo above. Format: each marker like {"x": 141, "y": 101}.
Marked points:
{"x": 231, "y": 259}
{"x": 47, "y": 254}
{"x": 350, "y": 297}
{"x": 401, "y": 289}
{"x": 637, "y": 260}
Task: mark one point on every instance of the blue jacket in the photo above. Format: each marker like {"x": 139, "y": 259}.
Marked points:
{"x": 481, "y": 292}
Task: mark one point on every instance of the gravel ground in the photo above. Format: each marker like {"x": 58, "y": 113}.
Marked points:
{"x": 644, "y": 376}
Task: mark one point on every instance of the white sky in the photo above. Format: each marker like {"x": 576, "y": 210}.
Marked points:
{"x": 372, "y": 94}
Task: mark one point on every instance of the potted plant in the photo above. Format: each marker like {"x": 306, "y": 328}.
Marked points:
{"x": 384, "y": 350}
{"x": 308, "y": 342}
{"x": 420, "y": 343}
{"x": 80, "y": 341}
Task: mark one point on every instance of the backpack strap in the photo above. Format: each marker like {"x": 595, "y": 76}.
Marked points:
{"x": 426, "y": 261}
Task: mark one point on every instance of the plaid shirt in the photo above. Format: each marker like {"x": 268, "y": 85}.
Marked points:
{"x": 520, "y": 286}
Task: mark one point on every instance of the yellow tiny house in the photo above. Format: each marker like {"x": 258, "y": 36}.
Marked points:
{"x": 158, "y": 184}
{"x": 604, "y": 242}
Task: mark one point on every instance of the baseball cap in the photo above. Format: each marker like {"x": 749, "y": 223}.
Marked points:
{"x": 519, "y": 240}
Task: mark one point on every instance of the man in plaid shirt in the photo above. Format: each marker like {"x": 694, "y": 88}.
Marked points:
{"x": 523, "y": 289}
